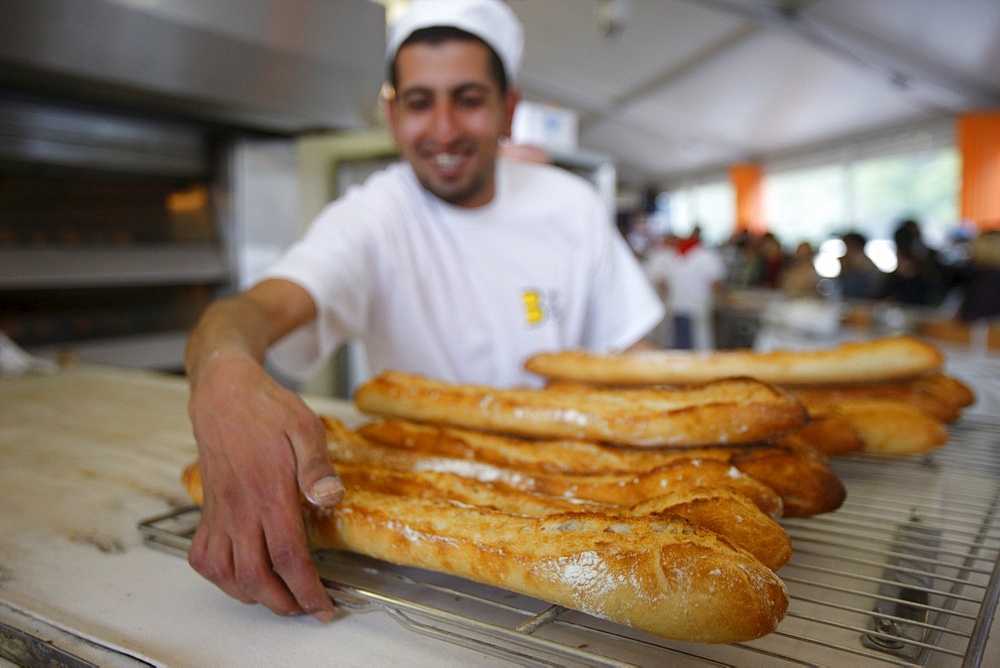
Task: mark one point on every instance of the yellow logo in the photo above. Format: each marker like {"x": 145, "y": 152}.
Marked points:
{"x": 533, "y": 306}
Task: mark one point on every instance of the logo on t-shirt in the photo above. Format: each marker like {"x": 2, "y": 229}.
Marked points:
{"x": 540, "y": 305}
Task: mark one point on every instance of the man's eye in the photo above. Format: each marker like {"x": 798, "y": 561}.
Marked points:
{"x": 469, "y": 101}
{"x": 417, "y": 103}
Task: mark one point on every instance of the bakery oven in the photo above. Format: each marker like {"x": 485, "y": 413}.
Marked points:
{"x": 148, "y": 157}
{"x": 111, "y": 233}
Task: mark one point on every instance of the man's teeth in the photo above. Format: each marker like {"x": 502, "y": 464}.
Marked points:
{"x": 446, "y": 160}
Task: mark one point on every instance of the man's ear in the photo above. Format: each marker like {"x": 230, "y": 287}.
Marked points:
{"x": 387, "y": 97}
{"x": 511, "y": 98}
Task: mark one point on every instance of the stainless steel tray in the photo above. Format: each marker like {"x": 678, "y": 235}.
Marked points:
{"x": 903, "y": 574}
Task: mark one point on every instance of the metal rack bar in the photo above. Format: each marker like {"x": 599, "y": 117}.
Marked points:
{"x": 981, "y": 630}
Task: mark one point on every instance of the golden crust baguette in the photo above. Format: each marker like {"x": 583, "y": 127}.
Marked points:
{"x": 797, "y": 472}
{"x": 624, "y": 489}
{"x": 907, "y": 393}
{"x": 572, "y": 456}
{"x": 803, "y": 480}
{"x": 442, "y": 485}
{"x": 946, "y": 388}
{"x": 661, "y": 575}
{"x": 889, "y": 428}
{"x": 889, "y": 358}
{"x": 629, "y": 489}
{"x": 731, "y": 515}
{"x": 831, "y": 434}
{"x": 726, "y": 411}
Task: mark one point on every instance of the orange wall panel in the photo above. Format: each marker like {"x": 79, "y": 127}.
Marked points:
{"x": 978, "y": 139}
{"x": 748, "y": 181}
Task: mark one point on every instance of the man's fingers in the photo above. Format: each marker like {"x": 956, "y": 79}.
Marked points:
{"x": 257, "y": 578}
{"x": 293, "y": 564}
{"x": 213, "y": 560}
{"x": 319, "y": 483}
{"x": 267, "y": 563}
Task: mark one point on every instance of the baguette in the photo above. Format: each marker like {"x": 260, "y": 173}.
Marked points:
{"x": 802, "y": 480}
{"x": 443, "y": 485}
{"x": 889, "y": 428}
{"x": 563, "y": 455}
{"x": 831, "y": 434}
{"x": 661, "y": 575}
{"x": 625, "y": 489}
{"x": 726, "y": 411}
{"x": 889, "y": 358}
{"x": 797, "y": 472}
{"x": 907, "y": 393}
{"x": 947, "y": 388}
{"x": 731, "y": 515}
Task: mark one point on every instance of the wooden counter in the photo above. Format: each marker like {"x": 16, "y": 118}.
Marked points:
{"x": 87, "y": 454}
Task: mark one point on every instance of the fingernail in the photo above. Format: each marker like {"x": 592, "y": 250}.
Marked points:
{"x": 323, "y": 616}
{"x": 326, "y": 489}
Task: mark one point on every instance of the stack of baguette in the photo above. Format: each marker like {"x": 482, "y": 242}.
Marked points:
{"x": 643, "y": 488}
{"x": 888, "y": 396}
{"x": 653, "y": 507}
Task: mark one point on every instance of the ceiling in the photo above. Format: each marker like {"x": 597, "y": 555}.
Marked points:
{"x": 674, "y": 87}
{"x": 667, "y": 88}
{"x": 284, "y": 66}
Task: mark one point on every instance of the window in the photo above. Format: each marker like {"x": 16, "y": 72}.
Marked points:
{"x": 806, "y": 204}
{"x": 710, "y": 206}
{"x": 923, "y": 186}
{"x": 869, "y": 186}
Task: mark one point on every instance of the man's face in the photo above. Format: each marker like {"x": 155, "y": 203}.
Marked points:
{"x": 447, "y": 117}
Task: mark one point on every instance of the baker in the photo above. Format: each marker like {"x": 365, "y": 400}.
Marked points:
{"x": 454, "y": 263}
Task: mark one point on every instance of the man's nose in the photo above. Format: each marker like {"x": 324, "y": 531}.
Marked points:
{"x": 444, "y": 124}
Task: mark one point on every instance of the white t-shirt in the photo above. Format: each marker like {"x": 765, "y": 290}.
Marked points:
{"x": 465, "y": 295}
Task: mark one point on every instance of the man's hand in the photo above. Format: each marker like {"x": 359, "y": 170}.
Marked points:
{"x": 260, "y": 447}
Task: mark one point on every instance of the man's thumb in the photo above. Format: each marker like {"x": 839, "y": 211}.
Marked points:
{"x": 317, "y": 478}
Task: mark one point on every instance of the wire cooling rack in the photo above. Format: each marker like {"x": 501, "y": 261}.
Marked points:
{"x": 903, "y": 574}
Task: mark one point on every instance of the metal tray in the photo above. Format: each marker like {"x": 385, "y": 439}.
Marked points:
{"x": 905, "y": 573}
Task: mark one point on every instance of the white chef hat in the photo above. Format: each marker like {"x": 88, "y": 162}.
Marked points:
{"x": 490, "y": 20}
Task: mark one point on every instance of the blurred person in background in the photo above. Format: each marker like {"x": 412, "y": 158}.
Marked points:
{"x": 742, "y": 263}
{"x": 981, "y": 291}
{"x": 689, "y": 276}
{"x": 799, "y": 278}
{"x": 918, "y": 278}
{"x": 859, "y": 278}
{"x": 772, "y": 261}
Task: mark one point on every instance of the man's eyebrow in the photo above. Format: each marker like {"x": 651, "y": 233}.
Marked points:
{"x": 470, "y": 87}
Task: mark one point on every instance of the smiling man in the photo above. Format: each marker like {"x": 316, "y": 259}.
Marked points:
{"x": 452, "y": 263}
{"x": 448, "y": 114}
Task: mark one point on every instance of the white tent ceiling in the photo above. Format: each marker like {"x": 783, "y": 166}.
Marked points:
{"x": 669, "y": 87}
